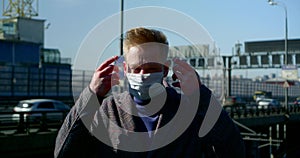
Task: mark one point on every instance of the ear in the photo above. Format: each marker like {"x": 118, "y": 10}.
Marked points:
{"x": 166, "y": 67}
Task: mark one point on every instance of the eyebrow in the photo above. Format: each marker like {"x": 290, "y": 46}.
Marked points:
{"x": 146, "y": 65}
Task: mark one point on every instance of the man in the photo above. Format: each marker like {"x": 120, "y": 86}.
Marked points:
{"x": 148, "y": 120}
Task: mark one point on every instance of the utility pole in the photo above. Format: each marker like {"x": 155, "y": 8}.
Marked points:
{"x": 271, "y": 2}
{"x": 121, "y": 27}
{"x": 228, "y": 67}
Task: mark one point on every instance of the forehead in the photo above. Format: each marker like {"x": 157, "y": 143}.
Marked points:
{"x": 146, "y": 54}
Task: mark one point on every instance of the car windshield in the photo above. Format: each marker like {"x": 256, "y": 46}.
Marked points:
{"x": 24, "y": 105}
{"x": 266, "y": 101}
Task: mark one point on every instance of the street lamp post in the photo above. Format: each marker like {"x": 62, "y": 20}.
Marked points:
{"x": 121, "y": 27}
{"x": 271, "y": 2}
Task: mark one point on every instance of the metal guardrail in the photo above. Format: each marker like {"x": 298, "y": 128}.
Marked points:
{"x": 23, "y": 122}
{"x": 253, "y": 111}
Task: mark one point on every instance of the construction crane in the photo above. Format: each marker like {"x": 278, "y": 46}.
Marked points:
{"x": 20, "y": 8}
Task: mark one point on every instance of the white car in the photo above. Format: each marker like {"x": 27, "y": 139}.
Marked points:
{"x": 54, "y": 110}
{"x": 268, "y": 104}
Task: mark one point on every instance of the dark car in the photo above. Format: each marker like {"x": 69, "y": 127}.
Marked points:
{"x": 297, "y": 102}
{"x": 234, "y": 101}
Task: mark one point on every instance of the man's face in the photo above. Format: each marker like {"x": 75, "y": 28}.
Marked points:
{"x": 146, "y": 58}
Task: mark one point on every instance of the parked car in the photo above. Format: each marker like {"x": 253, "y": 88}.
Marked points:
{"x": 297, "y": 101}
{"x": 258, "y": 95}
{"x": 268, "y": 104}
{"x": 54, "y": 110}
{"x": 234, "y": 101}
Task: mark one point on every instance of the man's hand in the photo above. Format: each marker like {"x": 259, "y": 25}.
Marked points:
{"x": 189, "y": 81}
{"x": 105, "y": 76}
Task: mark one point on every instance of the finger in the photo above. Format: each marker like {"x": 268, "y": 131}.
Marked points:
{"x": 111, "y": 77}
{"x": 107, "y": 71}
{"x": 110, "y": 83}
{"x": 183, "y": 69}
{"x": 178, "y": 68}
{"x": 115, "y": 79}
{"x": 179, "y": 75}
{"x": 183, "y": 64}
{"x": 115, "y": 76}
{"x": 114, "y": 82}
{"x": 179, "y": 71}
{"x": 116, "y": 69}
{"x": 110, "y": 69}
{"x": 111, "y": 80}
{"x": 107, "y": 63}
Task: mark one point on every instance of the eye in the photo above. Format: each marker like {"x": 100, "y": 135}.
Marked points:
{"x": 137, "y": 70}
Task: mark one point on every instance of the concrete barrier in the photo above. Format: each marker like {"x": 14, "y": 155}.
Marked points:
{"x": 24, "y": 145}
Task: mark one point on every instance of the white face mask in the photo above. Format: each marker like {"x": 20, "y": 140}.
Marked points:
{"x": 145, "y": 86}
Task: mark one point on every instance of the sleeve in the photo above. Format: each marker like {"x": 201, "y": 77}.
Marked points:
{"x": 224, "y": 137}
{"x": 73, "y": 137}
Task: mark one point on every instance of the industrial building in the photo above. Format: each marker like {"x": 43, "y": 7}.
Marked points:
{"x": 27, "y": 68}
